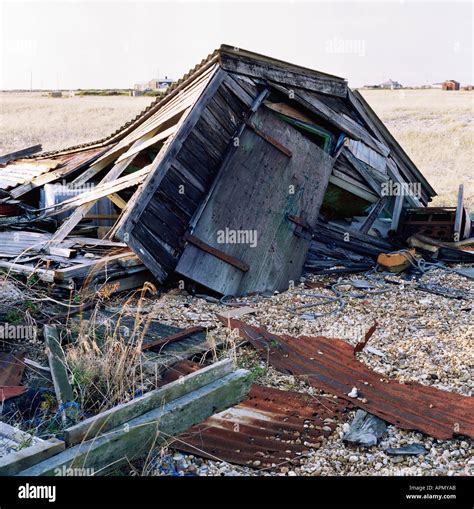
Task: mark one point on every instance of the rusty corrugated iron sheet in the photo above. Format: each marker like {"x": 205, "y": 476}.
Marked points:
{"x": 11, "y": 373}
{"x": 269, "y": 429}
{"x": 23, "y": 171}
{"x": 330, "y": 364}
{"x": 11, "y": 368}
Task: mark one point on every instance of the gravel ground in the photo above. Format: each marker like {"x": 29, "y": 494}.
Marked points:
{"x": 420, "y": 337}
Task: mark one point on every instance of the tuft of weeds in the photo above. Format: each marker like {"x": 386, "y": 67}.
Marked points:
{"x": 105, "y": 361}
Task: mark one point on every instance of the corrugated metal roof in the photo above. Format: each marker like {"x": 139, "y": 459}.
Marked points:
{"x": 330, "y": 364}
{"x": 271, "y": 428}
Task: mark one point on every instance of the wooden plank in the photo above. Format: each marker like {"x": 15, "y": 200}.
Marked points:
{"x": 174, "y": 337}
{"x": 148, "y": 143}
{"x": 231, "y": 260}
{"x": 459, "y": 213}
{"x": 117, "y": 200}
{"x": 365, "y": 174}
{"x": 284, "y": 76}
{"x": 82, "y": 210}
{"x": 61, "y": 251}
{"x": 59, "y": 374}
{"x": 100, "y": 191}
{"x": 397, "y": 211}
{"x": 374, "y": 214}
{"x": 269, "y": 139}
{"x": 28, "y": 151}
{"x": 141, "y": 434}
{"x": 27, "y": 270}
{"x": 26, "y": 457}
{"x": 81, "y": 270}
{"x": 123, "y": 284}
{"x": 105, "y": 421}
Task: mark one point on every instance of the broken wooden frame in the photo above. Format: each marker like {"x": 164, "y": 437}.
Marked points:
{"x": 131, "y": 430}
{"x": 25, "y": 450}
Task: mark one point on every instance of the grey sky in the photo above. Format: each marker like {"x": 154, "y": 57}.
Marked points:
{"x": 115, "y": 44}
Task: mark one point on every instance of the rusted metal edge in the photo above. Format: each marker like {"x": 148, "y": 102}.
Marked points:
{"x": 270, "y": 429}
{"x": 330, "y": 364}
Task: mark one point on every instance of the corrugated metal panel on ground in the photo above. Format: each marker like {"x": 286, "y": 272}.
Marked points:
{"x": 330, "y": 364}
{"x": 269, "y": 429}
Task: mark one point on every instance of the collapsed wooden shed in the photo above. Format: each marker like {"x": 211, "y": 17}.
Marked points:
{"x": 226, "y": 179}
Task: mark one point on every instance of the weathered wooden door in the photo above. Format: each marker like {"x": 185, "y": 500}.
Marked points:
{"x": 247, "y": 237}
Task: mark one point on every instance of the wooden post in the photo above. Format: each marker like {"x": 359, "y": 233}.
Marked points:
{"x": 57, "y": 363}
{"x": 397, "y": 211}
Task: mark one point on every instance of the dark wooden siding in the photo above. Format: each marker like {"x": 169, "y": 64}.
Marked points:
{"x": 160, "y": 226}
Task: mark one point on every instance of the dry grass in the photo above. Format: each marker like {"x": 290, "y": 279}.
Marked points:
{"x": 28, "y": 118}
{"x": 433, "y": 126}
{"x": 436, "y": 129}
{"x": 106, "y": 361}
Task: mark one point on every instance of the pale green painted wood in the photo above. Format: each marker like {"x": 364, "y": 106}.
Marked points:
{"x": 140, "y": 435}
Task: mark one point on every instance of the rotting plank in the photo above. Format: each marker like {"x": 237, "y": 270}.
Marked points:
{"x": 28, "y": 449}
{"x": 59, "y": 374}
{"x": 120, "y": 414}
{"x": 149, "y": 430}
{"x": 174, "y": 337}
{"x": 27, "y": 151}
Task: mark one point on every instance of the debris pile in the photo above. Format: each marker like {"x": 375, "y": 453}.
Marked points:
{"x": 243, "y": 170}
{"x": 245, "y": 175}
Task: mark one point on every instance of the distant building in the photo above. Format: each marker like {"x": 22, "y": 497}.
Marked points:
{"x": 468, "y": 87}
{"x": 160, "y": 83}
{"x": 391, "y": 85}
{"x": 451, "y": 85}
{"x": 154, "y": 84}
{"x": 55, "y": 93}
{"x": 140, "y": 87}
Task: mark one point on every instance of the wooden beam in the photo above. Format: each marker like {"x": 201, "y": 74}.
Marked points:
{"x": 135, "y": 438}
{"x": 374, "y": 214}
{"x": 117, "y": 200}
{"x": 30, "y": 450}
{"x": 397, "y": 212}
{"x": 80, "y": 270}
{"x": 459, "y": 214}
{"x": 231, "y": 260}
{"x": 105, "y": 421}
{"x": 59, "y": 374}
{"x": 285, "y": 74}
{"x": 28, "y": 270}
{"x": 174, "y": 337}
{"x": 82, "y": 210}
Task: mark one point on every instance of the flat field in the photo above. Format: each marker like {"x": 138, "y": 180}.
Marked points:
{"x": 435, "y": 127}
